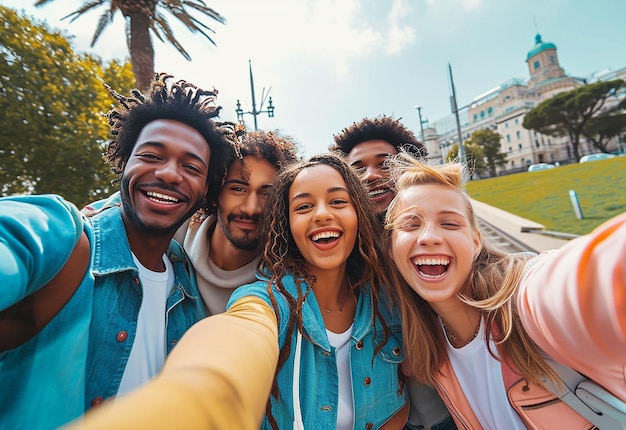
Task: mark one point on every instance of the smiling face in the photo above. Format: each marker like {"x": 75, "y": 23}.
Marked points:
{"x": 242, "y": 201}
{"x": 165, "y": 179}
{"x": 368, "y": 158}
{"x": 322, "y": 219}
{"x": 433, "y": 242}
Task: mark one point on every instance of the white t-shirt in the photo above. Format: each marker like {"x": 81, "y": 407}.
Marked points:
{"x": 480, "y": 376}
{"x": 345, "y": 411}
{"x": 147, "y": 355}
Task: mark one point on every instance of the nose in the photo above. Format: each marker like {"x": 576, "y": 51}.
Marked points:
{"x": 251, "y": 205}
{"x": 322, "y": 213}
{"x": 372, "y": 173}
{"x": 430, "y": 235}
{"x": 169, "y": 172}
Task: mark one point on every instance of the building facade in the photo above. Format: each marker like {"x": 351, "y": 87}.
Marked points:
{"x": 502, "y": 110}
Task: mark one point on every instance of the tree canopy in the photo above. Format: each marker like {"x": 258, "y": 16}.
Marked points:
{"x": 52, "y": 131}
{"x": 570, "y": 112}
{"x": 489, "y": 142}
{"x": 474, "y": 156}
{"x": 143, "y": 17}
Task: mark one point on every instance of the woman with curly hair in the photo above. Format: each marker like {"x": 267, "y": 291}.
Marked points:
{"x": 324, "y": 276}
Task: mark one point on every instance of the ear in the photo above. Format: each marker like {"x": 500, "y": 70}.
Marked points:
{"x": 477, "y": 243}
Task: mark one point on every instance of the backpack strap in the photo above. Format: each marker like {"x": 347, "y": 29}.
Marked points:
{"x": 22, "y": 321}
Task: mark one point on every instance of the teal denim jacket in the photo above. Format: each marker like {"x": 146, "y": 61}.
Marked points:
{"x": 117, "y": 298}
{"x": 42, "y": 382}
{"x": 377, "y": 386}
{"x": 81, "y": 354}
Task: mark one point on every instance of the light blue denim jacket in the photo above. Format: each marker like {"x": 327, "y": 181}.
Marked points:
{"x": 377, "y": 386}
{"x": 42, "y": 382}
{"x": 81, "y": 354}
{"x": 117, "y": 298}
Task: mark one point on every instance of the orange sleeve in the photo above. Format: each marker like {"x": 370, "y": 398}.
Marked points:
{"x": 218, "y": 376}
{"x": 572, "y": 302}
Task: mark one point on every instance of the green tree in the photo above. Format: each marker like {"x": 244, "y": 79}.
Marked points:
{"x": 600, "y": 129}
{"x": 568, "y": 113}
{"x": 474, "y": 156}
{"x": 489, "y": 142}
{"x": 52, "y": 130}
{"x": 143, "y": 17}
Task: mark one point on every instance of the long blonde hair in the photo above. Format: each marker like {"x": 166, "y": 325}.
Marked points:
{"x": 490, "y": 287}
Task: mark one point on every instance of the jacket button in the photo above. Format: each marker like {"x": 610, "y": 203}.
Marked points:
{"x": 326, "y": 408}
{"x": 396, "y": 351}
{"x": 137, "y": 281}
{"x": 369, "y": 426}
{"x": 525, "y": 388}
{"x": 121, "y": 336}
{"x": 359, "y": 345}
{"x": 97, "y": 401}
{"x": 326, "y": 353}
{"x": 367, "y": 381}
{"x": 400, "y": 391}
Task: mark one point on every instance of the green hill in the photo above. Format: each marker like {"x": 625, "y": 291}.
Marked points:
{"x": 543, "y": 196}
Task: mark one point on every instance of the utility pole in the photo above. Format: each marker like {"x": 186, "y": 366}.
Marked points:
{"x": 254, "y": 112}
{"x": 422, "y": 122}
{"x": 455, "y": 110}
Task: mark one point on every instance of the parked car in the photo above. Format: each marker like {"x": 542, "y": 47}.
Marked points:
{"x": 540, "y": 166}
{"x": 596, "y": 156}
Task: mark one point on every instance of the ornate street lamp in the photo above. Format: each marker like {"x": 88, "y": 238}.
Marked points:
{"x": 254, "y": 112}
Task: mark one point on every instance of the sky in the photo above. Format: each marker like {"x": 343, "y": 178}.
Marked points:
{"x": 330, "y": 63}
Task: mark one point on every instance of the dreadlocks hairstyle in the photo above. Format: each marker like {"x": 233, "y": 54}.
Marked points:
{"x": 367, "y": 264}
{"x": 490, "y": 285}
{"x": 381, "y": 128}
{"x": 180, "y": 101}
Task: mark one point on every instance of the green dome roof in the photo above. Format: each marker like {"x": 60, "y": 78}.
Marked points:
{"x": 539, "y": 47}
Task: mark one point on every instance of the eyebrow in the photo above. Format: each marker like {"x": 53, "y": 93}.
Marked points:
{"x": 161, "y": 145}
{"x": 330, "y": 190}
{"x": 381, "y": 155}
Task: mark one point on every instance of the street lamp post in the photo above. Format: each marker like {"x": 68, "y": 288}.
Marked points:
{"x": 455, "y": 110}
{"x": 254, "y": 112}
{"x": 422, "y": 122}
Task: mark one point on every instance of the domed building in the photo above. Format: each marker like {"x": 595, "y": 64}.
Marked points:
{"x": 502, "y": 110}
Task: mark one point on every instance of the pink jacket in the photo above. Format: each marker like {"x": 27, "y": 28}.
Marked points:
{"x": 538, "y": 408}
{"x": 572, "y": 302}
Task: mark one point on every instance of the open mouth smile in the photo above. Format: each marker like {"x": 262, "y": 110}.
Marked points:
{"x": 162, "y": 198}
{"x": 431, "y": 268}
{"x": 325, "y": 237}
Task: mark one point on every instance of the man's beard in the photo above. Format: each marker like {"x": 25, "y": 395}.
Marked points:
{"x": 245, "y": 243}
{"x": 135, "y": 220}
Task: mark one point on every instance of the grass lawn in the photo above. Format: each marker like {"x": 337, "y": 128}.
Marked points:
{"x": 543, "y": 196}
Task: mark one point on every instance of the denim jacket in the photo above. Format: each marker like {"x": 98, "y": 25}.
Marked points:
{"x": 117, "y": 298}
{"x": 42, "y": 381}
{"x": 377, "y": 387}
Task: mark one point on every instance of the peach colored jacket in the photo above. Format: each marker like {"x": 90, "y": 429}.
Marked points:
{"x": 572, "y": 302}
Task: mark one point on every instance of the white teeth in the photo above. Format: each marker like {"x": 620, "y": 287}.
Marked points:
{"x": 431, "y": 261}
{"x": 161, "y": 198}
{"x": 324, "y": 235}
{"x": 378, "y": 192}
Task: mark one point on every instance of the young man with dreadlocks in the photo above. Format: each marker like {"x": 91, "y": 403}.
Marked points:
{"x": 367, "y": 145}
{"x": 91, "y": 307}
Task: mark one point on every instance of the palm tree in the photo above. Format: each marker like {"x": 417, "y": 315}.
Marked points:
{"x": 143, "y": 16}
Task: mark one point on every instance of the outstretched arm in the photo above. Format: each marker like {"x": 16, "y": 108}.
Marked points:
{"x": 572, "y": 302}
{"x": 218, "y": 377}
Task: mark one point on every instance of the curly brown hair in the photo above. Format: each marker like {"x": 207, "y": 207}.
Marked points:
{"x": 367, "y": 264}
{"x": 179, "y": 101}
{"x": 380, "y": 128}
